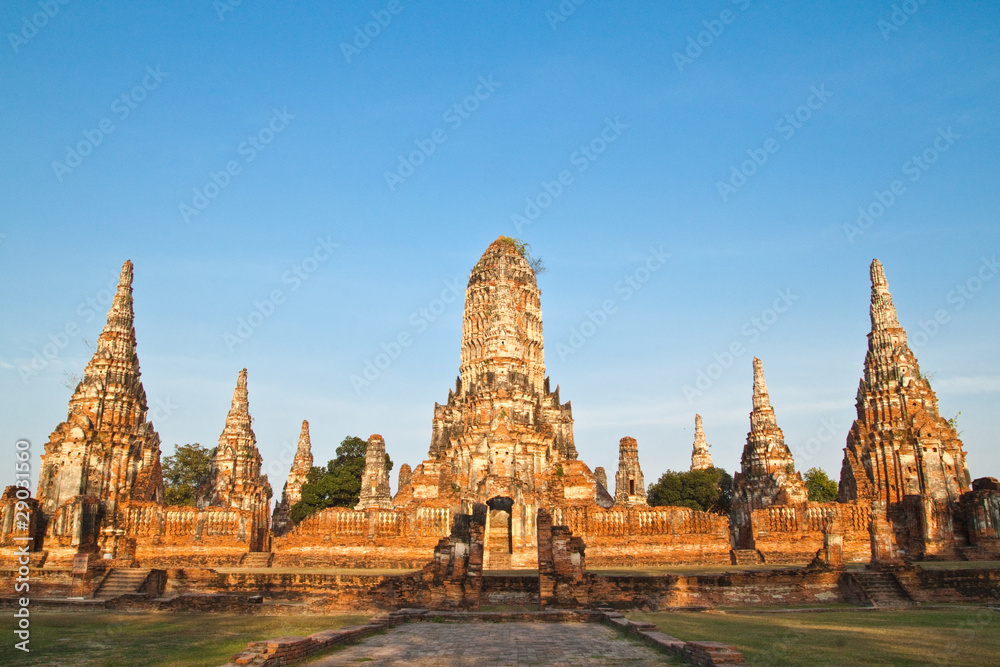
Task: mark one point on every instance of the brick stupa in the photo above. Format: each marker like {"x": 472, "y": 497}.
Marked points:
{"x": 281, "y": 520}
{"x": 767, "y": 475}
{"x": 701, "y": 458}
{"x": 235, "y": 478}
{"x": 106, "y": 450}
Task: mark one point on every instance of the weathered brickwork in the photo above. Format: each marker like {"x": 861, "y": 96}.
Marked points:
{"x": 502, "y": 450}
{"x": 630, "y": 489}
{"x": 375, "y": 478}
{"x": 767, "y": 477}
{"x": 106, "y": 453}
{"x": 900, "y": 451}
{"x": 235, "y": 479}
{"x": 701, "y": 458}
{"x": 281, "y": 520}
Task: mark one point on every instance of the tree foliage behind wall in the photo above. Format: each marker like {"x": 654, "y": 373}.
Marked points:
{"x": 821, "y": 488}
{"x": 185, "y": 472}
{"x": 338, "y": 484}
{"x": 708, "y": 490}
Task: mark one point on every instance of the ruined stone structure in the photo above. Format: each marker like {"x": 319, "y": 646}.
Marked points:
{"x": 375, "y": 479}
{"x": 701, "y": 458}
{"x": 562, "y": 565}
{"x": 502, "y": 454}
{"x": 772, "y": 519}
{"x": 629, "y": 487}
{"x": 281, "y": 520}
{"x": 767, "y": 474}
{"x": 106, "y": 453}
{"x": 503, "y": 437}
{"x": 235, "y": 480}
{"x": 900, "y": 451}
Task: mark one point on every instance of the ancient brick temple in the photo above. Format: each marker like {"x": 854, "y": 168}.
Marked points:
{"x": 900, "y": 451}
{"x": 701, "y": 458}
{"x": 502, "y": 450}
{"x": 235, "y": 480}
{"x": 629, "y": 487}
{"x": 375, "y": 492}
{"x": 281, "y": 520}
{"x": 505, "y": 439}
{"x": 767, "y": 474}
{"x": 106, "y": 453}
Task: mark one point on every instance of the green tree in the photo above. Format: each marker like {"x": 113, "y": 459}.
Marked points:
{"x": 708, "y": 490}
{"x": 184, "y": 472}
{"x": 821, "y": 488}
{"x": 336, "y": 485}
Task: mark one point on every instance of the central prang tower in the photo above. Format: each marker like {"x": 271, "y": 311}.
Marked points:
{"x": 502, "y": 429}
{"x": 503, "y": 438}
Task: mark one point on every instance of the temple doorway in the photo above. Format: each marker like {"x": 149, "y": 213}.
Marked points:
{"x": 499, "y": 543}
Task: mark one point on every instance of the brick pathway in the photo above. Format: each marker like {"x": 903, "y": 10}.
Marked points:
{"x": 496, "y": 645}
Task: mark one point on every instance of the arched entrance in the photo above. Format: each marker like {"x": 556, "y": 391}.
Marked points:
{"x": 499, "y": 542}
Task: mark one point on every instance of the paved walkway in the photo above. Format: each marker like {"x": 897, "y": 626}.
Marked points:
{"x": 496, "y": 645}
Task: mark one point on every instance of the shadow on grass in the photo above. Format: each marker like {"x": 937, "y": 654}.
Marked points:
{"x": 190, "y": 639}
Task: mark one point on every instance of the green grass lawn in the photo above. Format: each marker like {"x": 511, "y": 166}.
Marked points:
{"x": 855, "y": 638}
{"x": 124, "y": 640}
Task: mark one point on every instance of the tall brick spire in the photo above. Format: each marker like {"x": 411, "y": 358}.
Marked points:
{"x": 767, "y": 475}
{"x": 630, "y": 488}
{"x": 701, "y": 458}
{"x": 281, "y": 520}
{"x": 899, "y": 445}
{"x": 235, "y": 479}
{"x": 375, "y": 478}
{"x": 106, "y": 448}
{"x": 883, "y": 313}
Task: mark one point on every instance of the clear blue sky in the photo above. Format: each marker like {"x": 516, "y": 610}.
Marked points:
{"x": 619, "y": 112}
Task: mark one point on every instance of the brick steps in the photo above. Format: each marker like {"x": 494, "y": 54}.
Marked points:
{"x": 121, "y": 581}
{"x": 256, "y": 559}
{"x": 746, "y": 557}
{"x": 882, "y": 589}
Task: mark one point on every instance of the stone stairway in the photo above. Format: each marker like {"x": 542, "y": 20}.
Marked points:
{"x": 882, "y": 589}
{"x": 745, "y": 557}
{"x": 121, "y": 581}
{"x": 256, "y": 559}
